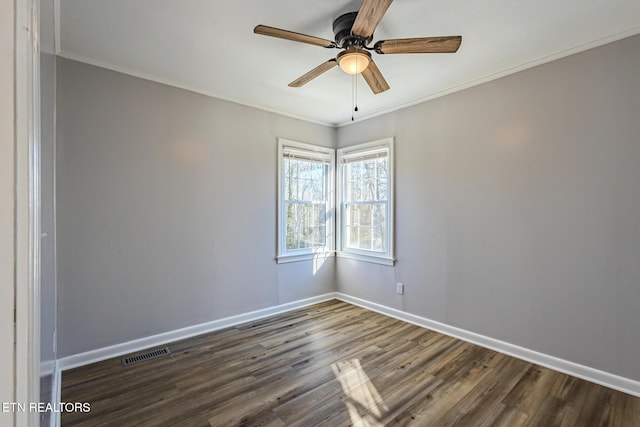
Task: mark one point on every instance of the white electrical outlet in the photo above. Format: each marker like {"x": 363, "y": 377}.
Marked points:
{"x": 399, "y": 288}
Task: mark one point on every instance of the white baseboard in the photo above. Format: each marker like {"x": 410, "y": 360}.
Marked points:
{"x": 97, "y": 355}
{"x": 606, "y": 379}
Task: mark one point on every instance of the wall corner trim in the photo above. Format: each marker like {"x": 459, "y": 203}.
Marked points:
{"x": 587, "y": 373}
{"x": 97, "y": 355}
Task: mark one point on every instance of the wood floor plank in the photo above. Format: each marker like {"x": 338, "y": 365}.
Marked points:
{"x": 480, "y": 405}
{"x": 458, "y": 383}
{"x": 334, "y": 364}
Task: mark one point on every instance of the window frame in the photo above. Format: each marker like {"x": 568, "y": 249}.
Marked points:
{"x": 313, "y": 152}
{"x": 386, "y": 257}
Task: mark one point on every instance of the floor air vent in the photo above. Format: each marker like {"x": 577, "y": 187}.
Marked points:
{"x": 147, "y": 355}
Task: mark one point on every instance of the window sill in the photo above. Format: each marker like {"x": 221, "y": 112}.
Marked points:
{"x": 367, "y": 258}
{"x": 283, "y": 259}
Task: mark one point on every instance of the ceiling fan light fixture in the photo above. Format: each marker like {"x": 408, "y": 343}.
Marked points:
{"x": 354, "y": 60}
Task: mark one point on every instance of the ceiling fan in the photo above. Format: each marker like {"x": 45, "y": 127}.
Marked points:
{"x": 353, "y": 33}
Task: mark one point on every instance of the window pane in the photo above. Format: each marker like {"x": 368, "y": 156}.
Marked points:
{"x": 304, "y": 179}
{"x": 306, "y": 225}
{"x": 366, "y": 180}
{"x": 366, "y": 226}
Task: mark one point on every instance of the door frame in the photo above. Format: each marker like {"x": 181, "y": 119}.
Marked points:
{"x": 27, "y": 209}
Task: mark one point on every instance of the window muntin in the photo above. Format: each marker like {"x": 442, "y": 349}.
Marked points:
{"x": 366, "y": 201}
{"x": 306, "y": 176}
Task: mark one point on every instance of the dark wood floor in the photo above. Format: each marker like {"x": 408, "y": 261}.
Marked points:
{"x": 336, "y": 364}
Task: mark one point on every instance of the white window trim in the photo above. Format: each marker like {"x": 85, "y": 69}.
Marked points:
{"x": 284, "y": 255}
{"x": 386, "y": 258}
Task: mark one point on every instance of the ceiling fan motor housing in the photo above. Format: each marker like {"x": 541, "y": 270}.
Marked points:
{"x": 342, "y": 31}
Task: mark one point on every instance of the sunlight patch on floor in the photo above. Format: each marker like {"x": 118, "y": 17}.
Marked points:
{"x": 365, "y": 405}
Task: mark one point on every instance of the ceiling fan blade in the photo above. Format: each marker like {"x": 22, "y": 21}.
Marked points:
{"x": 448, "y": 44}
{"x": 306, "y": 78}
{"x": 290, "y": 35}
{"x": 374, "y": 78}
{"x": 369, "y": 15}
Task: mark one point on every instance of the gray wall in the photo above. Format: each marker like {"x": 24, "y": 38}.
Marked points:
{"x": 7, "y": 188}
{"x": 518, "y": 209}
{"x": 166, "y": 209}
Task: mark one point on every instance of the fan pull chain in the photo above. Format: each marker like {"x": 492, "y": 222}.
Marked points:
{"x": 355, "y": 79}
{"x": 354, "y": 95}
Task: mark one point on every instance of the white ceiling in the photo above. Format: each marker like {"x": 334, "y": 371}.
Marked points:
{"x": 208, "y": 46}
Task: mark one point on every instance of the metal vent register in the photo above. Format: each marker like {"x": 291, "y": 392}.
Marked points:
{"x": 151, "y": 354}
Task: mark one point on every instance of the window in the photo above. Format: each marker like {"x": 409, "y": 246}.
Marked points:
{"x": 305, "y": 208}
{"x": 306, "y": 213}
{"x": 365, "y": 194}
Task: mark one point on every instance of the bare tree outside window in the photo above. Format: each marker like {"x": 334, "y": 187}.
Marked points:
{"x": 306, "y": 203}
{"x": 365, "y": 204}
